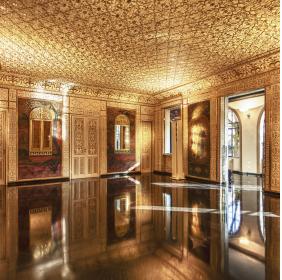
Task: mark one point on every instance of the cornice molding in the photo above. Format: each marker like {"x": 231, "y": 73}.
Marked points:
{"x": 253, "y": 67}
{"x": 67, "y": 88}
{"x": 250, "y": 68}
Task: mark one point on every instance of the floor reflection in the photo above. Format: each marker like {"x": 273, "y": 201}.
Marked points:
{"x": 139, "y": 227}
{"x": 39, "y": 222}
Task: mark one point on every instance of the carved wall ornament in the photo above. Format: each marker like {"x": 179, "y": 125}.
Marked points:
{"x": 79, "y": 141}
{"x": 92, "y": 137}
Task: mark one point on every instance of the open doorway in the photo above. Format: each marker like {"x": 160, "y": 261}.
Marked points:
{"x": 244, "y": 160}
{"x": 245, "y": 138}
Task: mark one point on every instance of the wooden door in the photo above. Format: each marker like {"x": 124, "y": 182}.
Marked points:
{"x": 146, "y": 157}
{"x": 84, "y": 147}
{"x": 92, "y": 147}
{"x": 78, "y": 147}
{"x": 2, "y": 147}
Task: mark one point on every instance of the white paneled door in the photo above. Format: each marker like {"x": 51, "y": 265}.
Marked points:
{"x": 85, "y": 145}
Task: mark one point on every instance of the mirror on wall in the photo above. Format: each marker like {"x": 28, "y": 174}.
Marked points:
{"x": 122, "y": 134}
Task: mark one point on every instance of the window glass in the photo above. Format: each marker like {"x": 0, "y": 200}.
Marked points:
{"x": 233, "y": 135}
{"x": 36, "y": 133}
{"x": 46, "y": 134}
{"x": 122, "y": 134}
{"x": 167, "y": 133}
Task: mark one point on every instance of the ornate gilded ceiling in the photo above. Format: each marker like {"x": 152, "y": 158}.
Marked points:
{"x": 142, "y": 46}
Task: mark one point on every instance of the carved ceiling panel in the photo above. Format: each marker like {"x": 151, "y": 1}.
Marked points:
{"x": 139, "y": 46}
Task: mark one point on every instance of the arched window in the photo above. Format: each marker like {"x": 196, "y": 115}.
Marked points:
{"x": 41, "y": 131}
{"x": 122, "y": 134}
{"x": 233, "y": 134}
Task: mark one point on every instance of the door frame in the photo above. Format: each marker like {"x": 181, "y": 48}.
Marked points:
{"x": 224, "y": 100}
{"x": 85, "y": 117}
{"x": 5, "y": 143}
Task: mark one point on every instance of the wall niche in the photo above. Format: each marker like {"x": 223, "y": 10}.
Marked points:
{"x": 39, "y": 139}
{"x": 121, "y": 129}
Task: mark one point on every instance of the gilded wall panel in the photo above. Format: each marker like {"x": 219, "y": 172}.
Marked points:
{"x": 12, "y": 145}
{"x": 214, "y": 138}
{"x": 185, "y": 136}
{"x": 268, "y": 99}
{"x": 3, "y": 104}
{"x": 124, "y": 106}
{"x": 103, "y": 142}
{"x": 3, "y": 223}
{"x": 3, "y": 140}
{"x": 4, "y": 94}
{"x": 146, "y": 110}
{"x": 275, "y": 139}
{"x": 158, "y": 140}
{"x": 147, "y": 117}
{"x": 84, "y": 106}
{"x": 138, "y": 143}
{"x": 39, "y": 95}
{"x": 66, "y": 145}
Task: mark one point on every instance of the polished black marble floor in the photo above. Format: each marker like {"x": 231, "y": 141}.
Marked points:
{"x": 139, "y": 227}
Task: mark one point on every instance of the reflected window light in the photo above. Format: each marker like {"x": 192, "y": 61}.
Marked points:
{"x": 122, "y": 215}
{"x": 244, "y": 241}
{"x": 234, "y": 212}
{"x": 122, "y": 134}
{"x": 261, "y": 216}
{"x": 167, "y": 201}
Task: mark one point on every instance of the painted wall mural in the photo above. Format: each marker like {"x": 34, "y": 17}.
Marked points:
{"x": 199, "y": 139}
{"x": 175, "y": 113}
{"x": 123, "y": 159}
{"x": 39, "y": 138}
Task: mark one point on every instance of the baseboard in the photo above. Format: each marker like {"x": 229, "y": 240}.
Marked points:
{"x": 119, "y": 174}
{"x": 246, "y": 173}
{"x": 201, "y": 180}
{"x": 162, "y": 173}
{"x": 38, "y": 181}
{"x": 272, "y": 194}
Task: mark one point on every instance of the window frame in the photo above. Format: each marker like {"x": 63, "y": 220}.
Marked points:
{"x": 165, "y": 153}
{"x": 236, "y": 127}
{"x": 127, "y": 126}
{"x": 41, "y": 115}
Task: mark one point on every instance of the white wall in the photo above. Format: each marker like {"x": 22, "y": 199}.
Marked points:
{"x": 249, "y": 140}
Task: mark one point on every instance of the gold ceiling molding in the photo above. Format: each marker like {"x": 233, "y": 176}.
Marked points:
{"x": 68, "y": 88}
{"x": 139, "y": 46}
{"x": 110, "y": 94}
{"x": 254, "y": 67}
